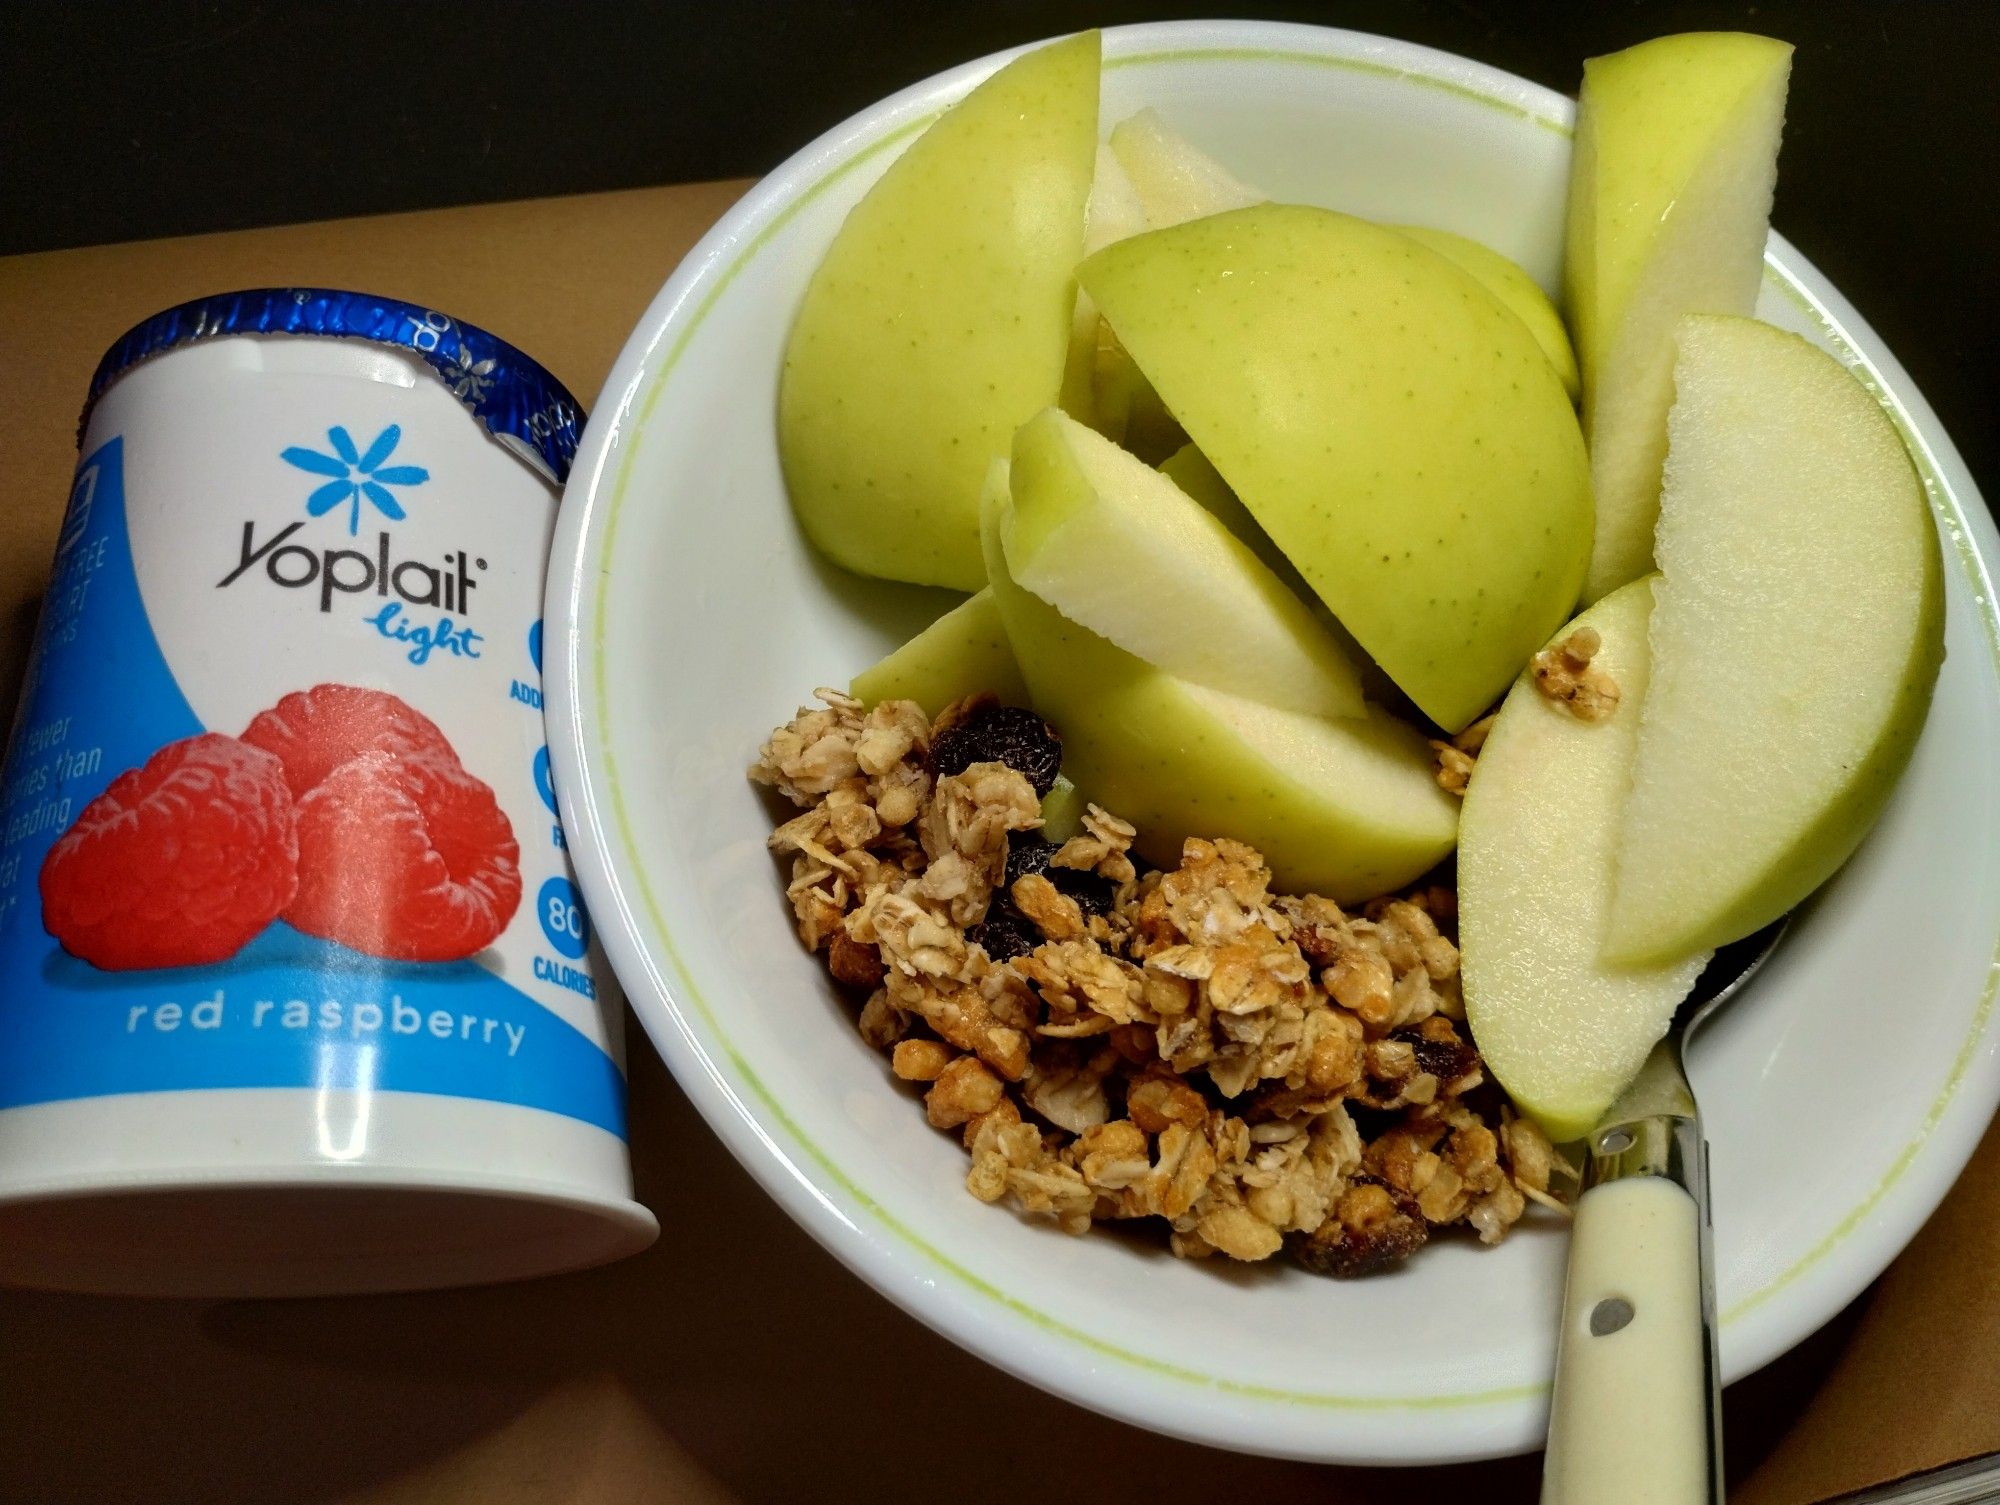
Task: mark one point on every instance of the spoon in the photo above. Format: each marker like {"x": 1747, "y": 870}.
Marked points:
{"x": 1636, "y": 1418}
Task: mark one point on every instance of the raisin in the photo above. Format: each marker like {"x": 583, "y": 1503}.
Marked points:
{"x": 1319, "y": 943}
{"x": 1372, "y": 1123}
{"x": 1004, "y": 935}
{"x": 1092, "y": 892}
{"x": 1028, "y": 853}
{"x": 1447, "y": 1059}
{"x": 1373, "y": 1227}
{"x": 1485, "y": 1100}
{"x": 854, "y": 963}
{"x": 1007, "y": 734}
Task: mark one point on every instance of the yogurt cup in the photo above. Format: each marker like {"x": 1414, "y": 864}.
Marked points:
{"x": 300, "y": 996}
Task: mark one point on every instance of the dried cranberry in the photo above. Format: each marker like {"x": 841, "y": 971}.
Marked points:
{"x": 1005, "y": 935}
{"x": 1007, "y": 734}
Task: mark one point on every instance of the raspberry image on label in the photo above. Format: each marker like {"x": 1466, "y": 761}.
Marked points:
{"x": 178, "y": 863}
{"x": 402, "y": 853}
{"x": 407, "y": 857}
{"x": 312, "y": 732}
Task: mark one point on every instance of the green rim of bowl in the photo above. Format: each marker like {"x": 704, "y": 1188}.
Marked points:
{"x": 1944, "y": 506}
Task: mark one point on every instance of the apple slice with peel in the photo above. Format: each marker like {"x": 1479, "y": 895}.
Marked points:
{"x": 1124, "y": 406}
{"x": 1515, "y": 290}
{"x": 1797, "y": 635}
{"x": 1669, "y": 208}
{"x": 1344, "y": 808}
{"x": 1101, "y": 386}
{"x": 962, "y": 653}
{"x": 1176, "y": 180}
{"x": 1112, "y": 212}
{"x": 938, "y": 322}
{"x": 1189, "y": 469}
{"x": 1118, "y": 548}
{"x": 1115, "y": 209}
{"x": 1170, "y": 180}
{"x": 1397, "y": 432}
{"x": 1560, "y": 1029}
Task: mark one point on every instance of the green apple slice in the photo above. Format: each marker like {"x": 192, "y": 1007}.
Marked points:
{"x": 1345, "y": 808}
{"x": 1124, "y": 406}
{"x": 964, "y": 652}
{"x": 938, "y": 322}
{"x": 1669, "y": 208}
{"x": 1112, "y": 213}
{"x": 1397, "y": 432}
{"x": 1560, "y": 1029}
{"x": 1115, "y": 210}
{"x": 1517, "y": 291}
{"x": 1118, "y": 548}
{"x": 1172, "y": 180}
{"x": 1797, "y": 636}
{"x": 1176, "y": 180}
{"x": 1189, "y": 469}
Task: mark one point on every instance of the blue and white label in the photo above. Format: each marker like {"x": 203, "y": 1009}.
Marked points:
{"x": 563, "y": 919}
{"x": 217, "y": 557}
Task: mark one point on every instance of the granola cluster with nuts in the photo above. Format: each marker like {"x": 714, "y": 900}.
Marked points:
{"x": 1258, "y": 1071}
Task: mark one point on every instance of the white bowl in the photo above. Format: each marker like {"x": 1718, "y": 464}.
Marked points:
{"x": 1843, "y": 1093}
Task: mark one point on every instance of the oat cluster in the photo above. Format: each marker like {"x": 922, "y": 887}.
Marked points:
{"x": 1564, "y": 674}
{"x": 1257, "y": 1071}
{"x": 1457, "y": 758}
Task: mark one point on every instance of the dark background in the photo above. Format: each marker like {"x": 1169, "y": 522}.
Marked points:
{"x": 127, "y": 120}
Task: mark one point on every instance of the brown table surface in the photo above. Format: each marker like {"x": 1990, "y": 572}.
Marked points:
{"x": 734, "y": 1361}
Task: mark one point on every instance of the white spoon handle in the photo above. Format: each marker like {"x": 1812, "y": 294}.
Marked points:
{"x": 1631, "y": 1418}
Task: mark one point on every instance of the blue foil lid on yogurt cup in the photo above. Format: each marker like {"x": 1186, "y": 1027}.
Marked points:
{"x": 518, "y": 401}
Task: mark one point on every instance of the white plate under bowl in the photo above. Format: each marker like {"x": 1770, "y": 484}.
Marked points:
{"x": 1843, "y": 1093}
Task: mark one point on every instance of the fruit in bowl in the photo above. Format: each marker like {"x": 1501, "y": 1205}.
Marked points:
{"x": 770, "y": 1054}
{"x": 950, "y": 287}
{"x": 1389, "y": 413}
{"x": 1430, "y": 486}
{"x": 1670, "y": 202}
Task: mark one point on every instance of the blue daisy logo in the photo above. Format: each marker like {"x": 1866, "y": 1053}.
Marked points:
{"x": 357, "y": 475}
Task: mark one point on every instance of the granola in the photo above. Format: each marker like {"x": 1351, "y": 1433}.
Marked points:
{"x": 1457, "y": 758}
{"x": 1564, "y": 673}
{"x": 1257, "y": 1071}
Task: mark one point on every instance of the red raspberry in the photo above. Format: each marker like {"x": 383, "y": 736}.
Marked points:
{"x": 312, "y": 732}
{"x": 177, "y": 863}
{"x": 406, "y": 857}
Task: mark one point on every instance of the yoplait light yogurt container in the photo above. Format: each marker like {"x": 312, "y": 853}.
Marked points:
{"x": 299, "y": 994}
